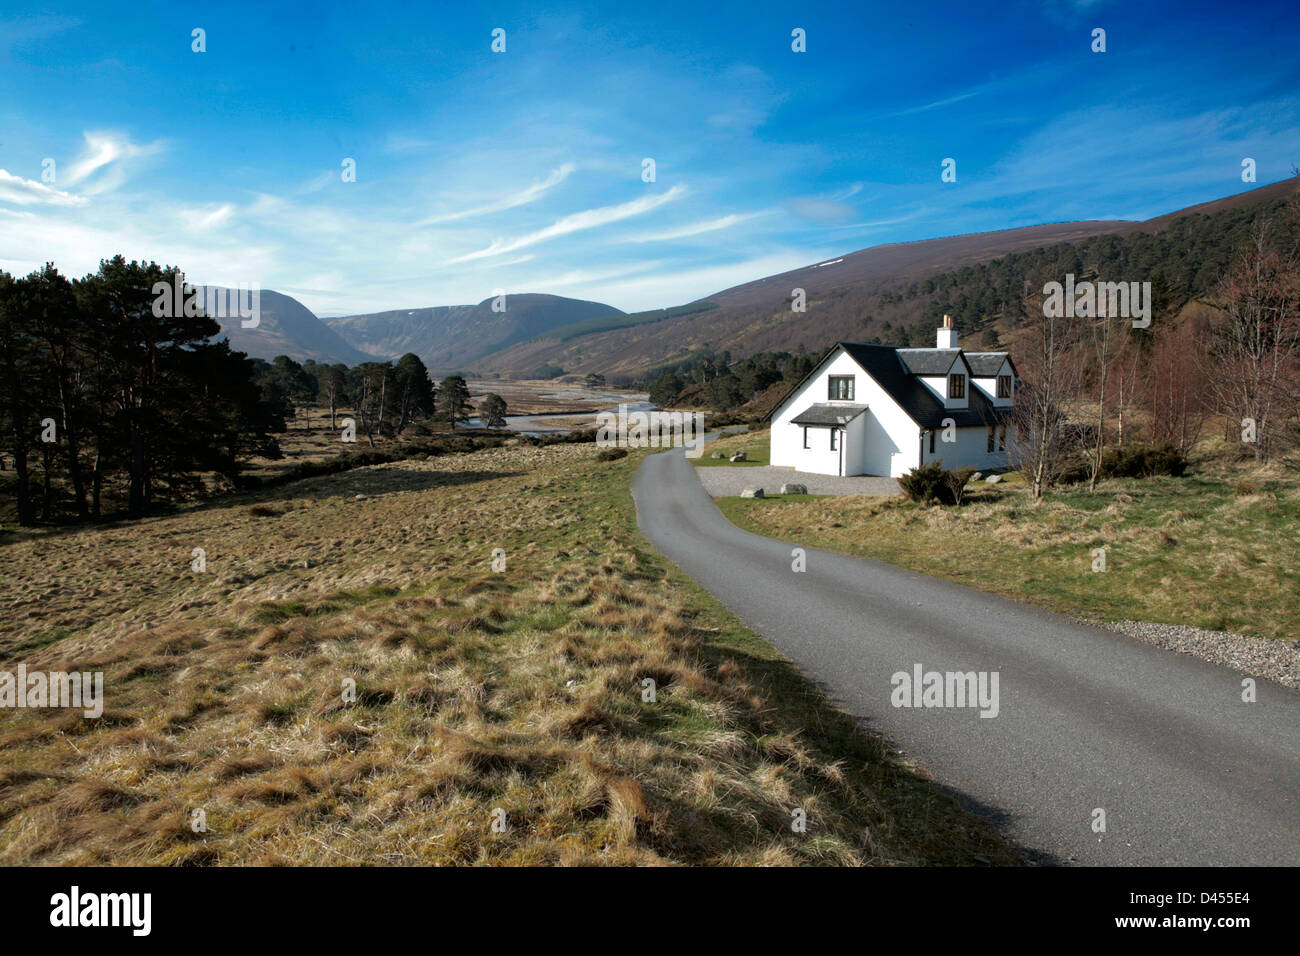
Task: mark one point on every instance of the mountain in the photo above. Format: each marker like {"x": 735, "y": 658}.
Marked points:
{"x": 849, "y": 297}
{"x": 287, "y": 327}
{"x": 453, "y": 337}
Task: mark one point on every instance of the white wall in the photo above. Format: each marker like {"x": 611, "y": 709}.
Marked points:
{"x": 970, "y": 450}
{"x": 881, "y": 441}
{"x": 989, "y": 386}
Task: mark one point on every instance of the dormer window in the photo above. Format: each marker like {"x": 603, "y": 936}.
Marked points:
{"x": 840, "y": 388}
{"x": 1004, "y": 386}
{"x": 956, "y": 386}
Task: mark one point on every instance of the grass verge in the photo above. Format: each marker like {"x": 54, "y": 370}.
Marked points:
{"x": 1219, "y": 551}
{"x": 753, "y": 444}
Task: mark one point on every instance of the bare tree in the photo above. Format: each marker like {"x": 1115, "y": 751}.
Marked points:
{"x": 1103, "y": 340}
{"x": 1128, "y": 380}
{"x": 1253, "y": 354}
{"x": 1038, "y": 444}
{"x": 1176, "y": 385}
{"x": 364, "y": 395}
{"x": 333, "y": 382}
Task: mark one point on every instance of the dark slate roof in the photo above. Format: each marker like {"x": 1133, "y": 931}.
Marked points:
{"x": 884, "y": 364}
{"x": 928, "y": 361}
{"x": 828, "y": 414}
{"x": 985, "y": 364}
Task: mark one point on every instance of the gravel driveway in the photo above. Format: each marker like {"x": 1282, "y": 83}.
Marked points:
{"x": 728, "y": 481}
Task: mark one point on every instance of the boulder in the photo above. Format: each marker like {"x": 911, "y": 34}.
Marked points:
{"x": 717, "y": 454}
{"x": 738, "y": 456}
{"x": 794, "y": 489}
{"x": 752, "y": 493}
{"x": 992, "y": 479}
{"x": 977, "y": 476}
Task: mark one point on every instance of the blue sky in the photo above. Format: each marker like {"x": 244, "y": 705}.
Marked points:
{"x": 522, "y": 171}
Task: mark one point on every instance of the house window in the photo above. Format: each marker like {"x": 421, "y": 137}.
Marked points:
{"x": 956, "y": 386}
{"x": 805, "y": 436}
{"x": 840, "y": 388}
{"x": 834, "y": 432}
{"x": 1004, "y": 386}
{"x": 990, "y": 446}
{"x": 931, "y": 441}
{"x": 1002, "y": 438}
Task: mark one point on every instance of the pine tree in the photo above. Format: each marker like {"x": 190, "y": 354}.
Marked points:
{"x": 453, "y": 400}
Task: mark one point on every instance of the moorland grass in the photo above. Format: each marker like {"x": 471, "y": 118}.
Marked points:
{"x": 1218, "y": 549}
{"x": 351, "y": 682}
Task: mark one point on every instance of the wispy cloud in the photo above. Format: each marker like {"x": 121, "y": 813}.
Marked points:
{"x": 105, "y": 151}
{"x": 521, "y": 198}
{"x": 27, "y": 192}
{"x": 937, "y": 104}
{"x": 317, "y": 182}
{"x": 694, "y": 228}
{"x": 198, "y": 220}
{"x": 578, "y": 221}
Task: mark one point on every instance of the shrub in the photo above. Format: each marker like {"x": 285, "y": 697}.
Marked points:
{"x": 954, "y": 483}
{"x": 611, "y": 454}
{"x": 1143, "y": 461}
{"x": 1130, "y": 461}
{"x": 931, "y": 484}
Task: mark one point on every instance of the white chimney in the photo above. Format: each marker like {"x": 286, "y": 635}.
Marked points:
{"x": 947, "y": 334}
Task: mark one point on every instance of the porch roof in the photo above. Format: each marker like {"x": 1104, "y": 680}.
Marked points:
{"x": 828, "y": 415}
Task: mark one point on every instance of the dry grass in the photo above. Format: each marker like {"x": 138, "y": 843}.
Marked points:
{"x": 1218, "y": 549}
{"x": 755, "y": 444}
{"x": 513, "y": 696}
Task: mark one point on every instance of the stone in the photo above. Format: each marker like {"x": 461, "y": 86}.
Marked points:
{"x": 752, "y": 493}
{"x": 738, "y": 456}
{"x": 979, "y": 475}
{"x": 794, "y": 489}
{"x": 717, "y": 454}
{"x": 992, "y": 479}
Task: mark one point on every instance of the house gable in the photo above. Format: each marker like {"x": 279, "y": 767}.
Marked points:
{"x": 876, "y": 409}
{"x": 878, "y": 436}
{"x": 920, "y": 402}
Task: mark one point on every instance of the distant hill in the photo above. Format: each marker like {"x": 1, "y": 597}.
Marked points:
{"x": 872, "y": 293}
{"x": 856, "y": 296}
{"x": 453, "y": 337}
{"x": 288, "y": 327}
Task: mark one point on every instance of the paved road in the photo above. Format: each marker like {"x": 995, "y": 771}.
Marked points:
{"x": 1185, "y": 771}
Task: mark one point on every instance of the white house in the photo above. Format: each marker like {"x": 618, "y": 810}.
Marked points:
{"x": 880, "y": 410}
